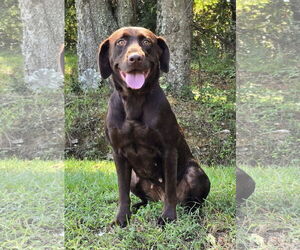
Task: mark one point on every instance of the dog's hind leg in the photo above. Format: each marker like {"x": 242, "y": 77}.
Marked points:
{"x": 193, "y": 187}
{"x": 136, "y": 187}
{"x": 145, "y": 190}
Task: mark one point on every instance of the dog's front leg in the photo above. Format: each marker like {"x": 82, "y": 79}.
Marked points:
{"x": 170, "y": 179}
{"x": 124, "y": 177}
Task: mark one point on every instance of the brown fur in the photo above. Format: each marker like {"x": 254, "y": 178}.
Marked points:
{"x": 152, "y": 157}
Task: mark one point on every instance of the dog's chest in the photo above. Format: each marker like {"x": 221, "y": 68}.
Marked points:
{"x": 142, "y": 147}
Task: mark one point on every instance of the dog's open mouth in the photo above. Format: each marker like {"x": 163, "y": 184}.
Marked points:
{"x": 134, "y": 80}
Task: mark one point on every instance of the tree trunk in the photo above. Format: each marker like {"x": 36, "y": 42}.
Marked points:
{"x": 43, "y": 33}
{"x": 174, "y": 24}
{"x": 95, "y": 23}
{"x": 39, "y": 122}
{"x": 97, "y": 19}
{"x": 233, "y": 10}
{"x": 295, "y": 8}
{"x": 126, "y": 13}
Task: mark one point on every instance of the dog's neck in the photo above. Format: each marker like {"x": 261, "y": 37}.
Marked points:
{"x": 133, "y": 105}
{"x": 133, "y": 100}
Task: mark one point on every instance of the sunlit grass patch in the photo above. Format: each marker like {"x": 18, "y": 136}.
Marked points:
{"x": 32, "y": 204}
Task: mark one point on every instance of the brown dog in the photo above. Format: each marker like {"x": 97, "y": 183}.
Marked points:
{"x": 152, "y": 157}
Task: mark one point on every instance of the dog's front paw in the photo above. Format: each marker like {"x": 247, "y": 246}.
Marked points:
{"x": 163, "y": 220}
{"x": 166, "y": 217}
{"x": 122, "y": 218}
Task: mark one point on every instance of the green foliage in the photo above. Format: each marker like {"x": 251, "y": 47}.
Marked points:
{"x": 271, "y": 28}
{"x": 269, "y": 83}
{"x": 71, "y": 73}
{"x": 91, "y": 203}
{"x": 213, "y": 32}
{"x": 269, "y": 132}
{"x": 85, "y": 113}
{"x": 210, "y": 123}
{"x": 213, "y": 63}
{"x": 146, "y": 14}
{"x": 213, "y": 76}
{"x": 70, "y": 25}
{"x": 10, "y": 25}
{"x": 84, "y": 124}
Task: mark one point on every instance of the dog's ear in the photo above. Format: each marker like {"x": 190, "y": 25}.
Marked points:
{"x": 103, "y": 59}
{"x": 165, "y": 55}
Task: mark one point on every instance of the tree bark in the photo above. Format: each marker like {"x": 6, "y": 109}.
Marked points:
{"x": 126, "y": 13}
{"x": 97, "y": 19}
{"x": 233, "y": 10}
{"x": 295, "y": 8}
{"x": 43, "y": 33}
{"x": 95, "y": 23}
{"x": 174, "y": 24}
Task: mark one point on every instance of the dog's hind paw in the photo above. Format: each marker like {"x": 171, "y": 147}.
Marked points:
{"x": 138, "y": 205}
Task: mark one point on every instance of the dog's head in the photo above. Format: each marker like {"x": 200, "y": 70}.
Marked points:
{"x": 134, "y": 56}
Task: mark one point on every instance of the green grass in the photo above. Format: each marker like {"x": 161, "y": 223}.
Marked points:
{"x": 32, "y": 204}
{"x": 39, "y": 200}
{"x": 270, "y": 219}
{"x": 91, "y": 203}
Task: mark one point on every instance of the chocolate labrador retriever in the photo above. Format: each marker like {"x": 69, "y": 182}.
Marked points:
{"x": 152, "y": 158}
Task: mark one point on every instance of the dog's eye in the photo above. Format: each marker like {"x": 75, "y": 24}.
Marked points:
{"x": 146, "y": 42}
{"x": 121, "y": 42}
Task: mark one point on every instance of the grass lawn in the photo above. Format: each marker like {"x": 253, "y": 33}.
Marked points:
{"x": 270, "y": 219}
{"x": 44, "y": 207}
{"x": 31, "y": 204}
{"x": 91, "y": 203}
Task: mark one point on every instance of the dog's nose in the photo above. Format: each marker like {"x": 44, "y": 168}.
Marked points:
{"x": 134, "y": 58}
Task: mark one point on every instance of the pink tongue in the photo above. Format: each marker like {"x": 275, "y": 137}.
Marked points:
{"x": 135, "y": 81}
